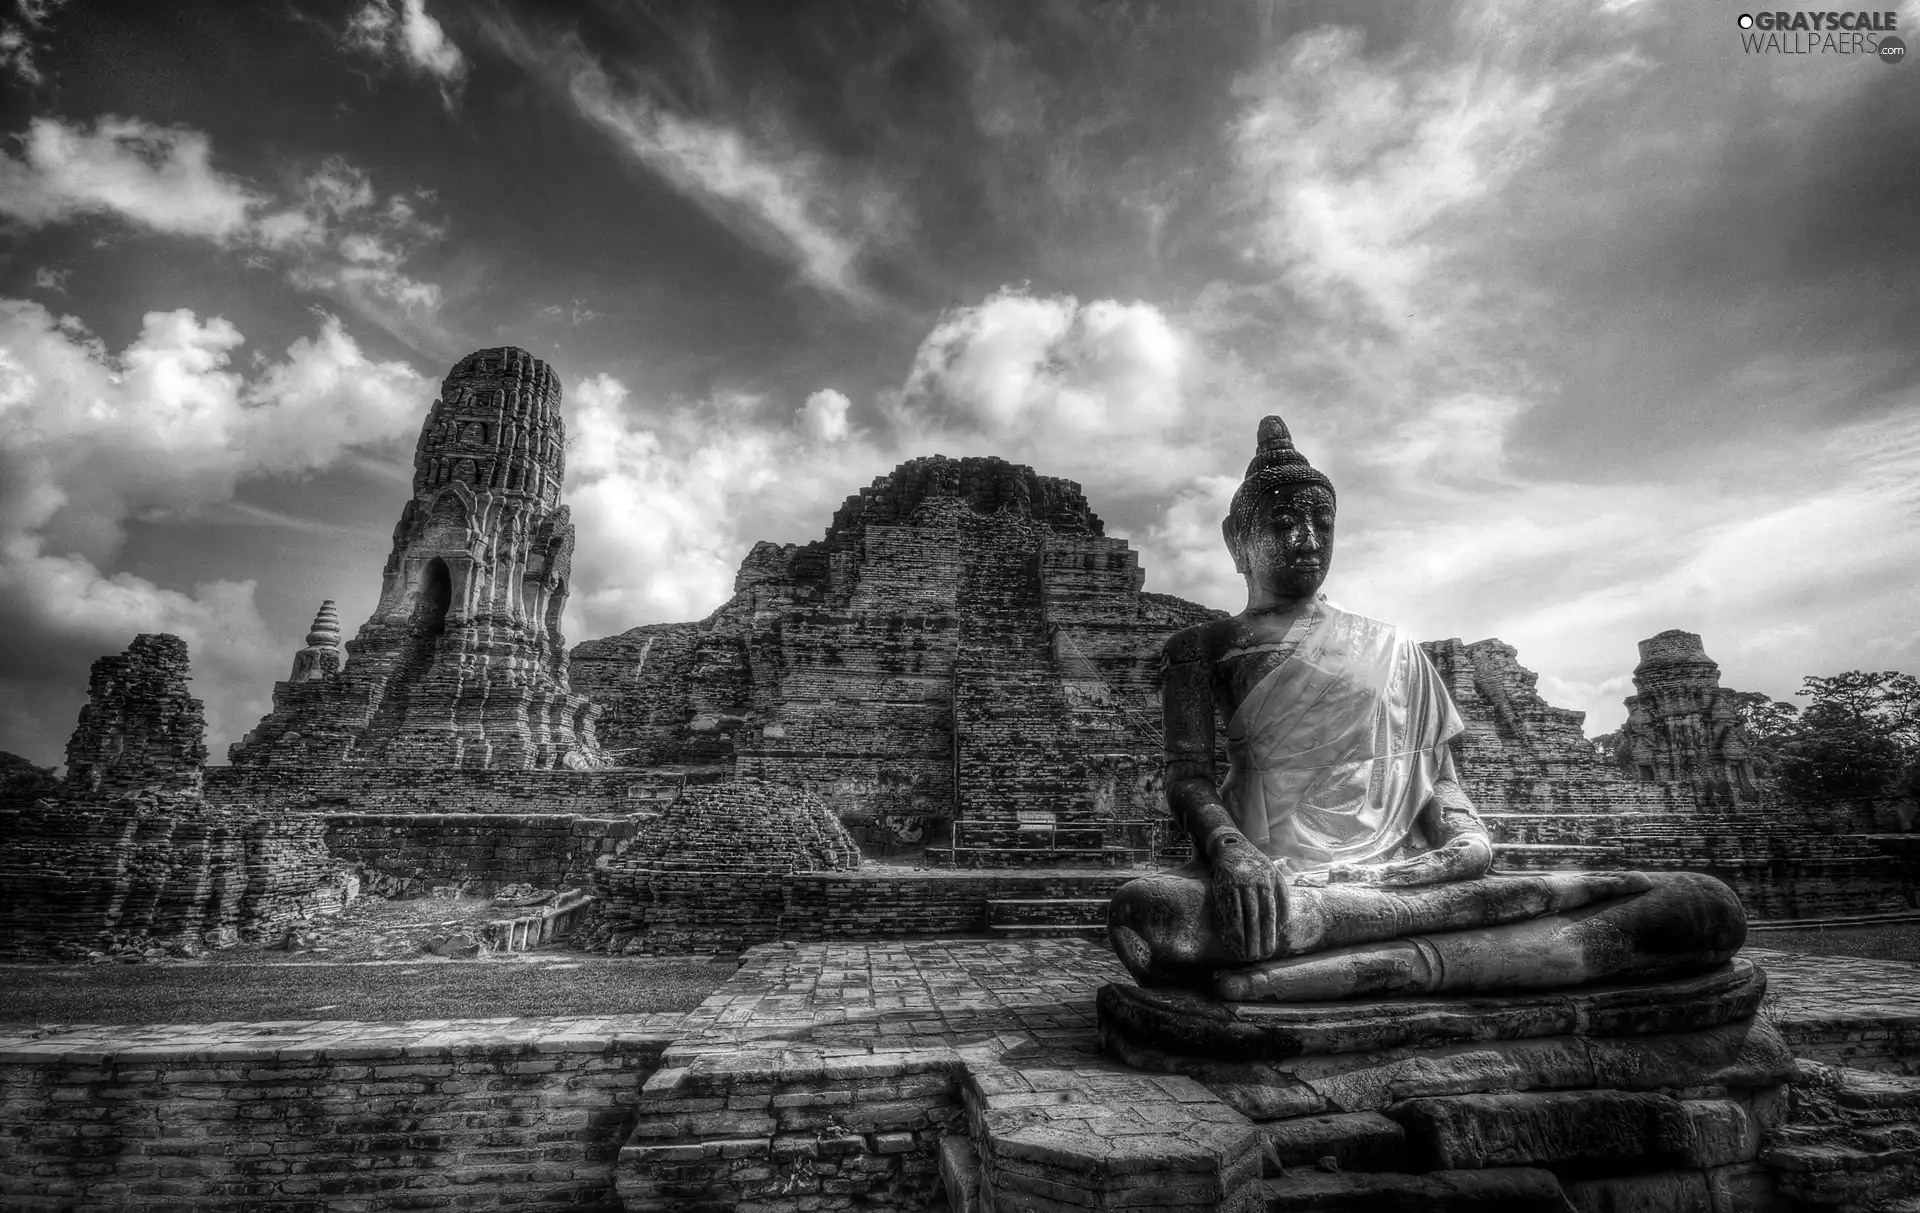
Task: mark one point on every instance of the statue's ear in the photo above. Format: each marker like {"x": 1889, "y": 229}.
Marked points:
{"x": 1234, "y": 547}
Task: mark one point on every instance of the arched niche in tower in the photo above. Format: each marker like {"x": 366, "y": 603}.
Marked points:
{"x": 436, "y": 596}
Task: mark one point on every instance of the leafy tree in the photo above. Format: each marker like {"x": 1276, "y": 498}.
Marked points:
{"x": 1857, "y": 738}
{"x": 1886, "y": 704}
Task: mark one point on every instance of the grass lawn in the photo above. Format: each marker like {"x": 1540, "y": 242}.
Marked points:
{"x": 187, "y": 992}
{"x": 1892, "y": 941}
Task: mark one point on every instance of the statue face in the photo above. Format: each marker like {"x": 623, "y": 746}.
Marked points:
{"x": 1288, "y": 546}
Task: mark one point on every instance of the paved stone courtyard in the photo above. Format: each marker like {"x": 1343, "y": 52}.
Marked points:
{"x": 825, "y": 1068}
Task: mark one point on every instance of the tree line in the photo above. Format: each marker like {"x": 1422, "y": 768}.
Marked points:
{"x": 1858, "y": 738}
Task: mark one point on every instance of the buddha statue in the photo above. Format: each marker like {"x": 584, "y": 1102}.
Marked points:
{"x": 1340, "y": 857}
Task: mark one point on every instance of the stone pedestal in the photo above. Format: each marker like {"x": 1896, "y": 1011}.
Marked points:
{"x": 1651, "y": 1096}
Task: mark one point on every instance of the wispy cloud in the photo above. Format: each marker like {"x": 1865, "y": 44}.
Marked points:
{"x": 411, "y": 37}
{"x": 338, "y": 237}
{"x": 23, "y": 37}
{"x": 574, "y": 313}
{"x": 774, "y": 197}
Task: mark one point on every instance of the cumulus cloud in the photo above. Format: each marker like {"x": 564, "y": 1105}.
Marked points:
{"x": 164, "y": 430}
{"x": 824, "y": 416}
{"x": 53, "y": 280}
{"x": 667, "y": 501}
{"x": 1102, "y": 388}
{"x": 158, "y": 177}
{"x": 411, "y": 37}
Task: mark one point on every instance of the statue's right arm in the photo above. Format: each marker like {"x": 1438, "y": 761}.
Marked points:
{"x": 1186, "y": 704}
{"x": 1248, "y": 890}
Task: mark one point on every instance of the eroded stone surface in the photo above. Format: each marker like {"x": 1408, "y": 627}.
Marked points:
{"x": 1348, "y": 1141}
{"x": 1502, "y": 1190}
{"x": 1180, "y": 1021}
{"x": 1739, "y": 1056}
{"x": 140, "y": 730}
{"x": 1852, "y": 1138}
{"x": 1516, "y": 1128}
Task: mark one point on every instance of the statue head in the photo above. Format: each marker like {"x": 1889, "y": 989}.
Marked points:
{"x": 1280, "y": 525}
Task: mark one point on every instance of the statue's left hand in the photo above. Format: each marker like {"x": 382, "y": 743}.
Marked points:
{"x": 1466, "y": 858}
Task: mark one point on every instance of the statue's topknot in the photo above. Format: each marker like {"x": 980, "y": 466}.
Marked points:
{"x": 1277, "y": 461}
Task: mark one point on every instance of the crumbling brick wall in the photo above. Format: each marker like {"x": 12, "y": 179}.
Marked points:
{"x": 128, "y": 850}
{"x": 163, "y": 868}
{"x": 140, "y": 728}
{"x": 477, "y": 852}
{"x": 713, "y": 871}
{"x": 432, "y": 1114}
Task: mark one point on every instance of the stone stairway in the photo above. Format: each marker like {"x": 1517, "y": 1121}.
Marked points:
{"x": 1554, "y": 857}
{"x": 995, "y": 846}
{"x": 1063, "y": 917}
{"x": 1782, "y": 865}
{"x": 1576, "y": 829}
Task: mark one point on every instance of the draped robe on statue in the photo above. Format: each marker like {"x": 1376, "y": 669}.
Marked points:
{"x": 1334, "y": 752}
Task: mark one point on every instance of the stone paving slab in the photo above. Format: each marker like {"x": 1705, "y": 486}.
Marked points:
{"x": 1840, "y": 988}
{"x": 1845, "y": 1011}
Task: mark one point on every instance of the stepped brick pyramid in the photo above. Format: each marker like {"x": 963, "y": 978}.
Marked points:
{"x": 462, "y": 663}
{"x": 126, "y": 851}
{"x": 965, "y": 647}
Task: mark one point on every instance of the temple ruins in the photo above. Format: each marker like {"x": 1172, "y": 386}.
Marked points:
{"x": 903, "y": 772}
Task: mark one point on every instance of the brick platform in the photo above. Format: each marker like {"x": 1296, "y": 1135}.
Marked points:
{"x": 822, "y": 1076}
{"x": 825, "y": 1075}
{"x": 431, "y": 1114}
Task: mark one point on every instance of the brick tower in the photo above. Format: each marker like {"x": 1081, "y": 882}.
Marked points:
{"x": 462, "y": 662}
{"x": 1683, "y": 725}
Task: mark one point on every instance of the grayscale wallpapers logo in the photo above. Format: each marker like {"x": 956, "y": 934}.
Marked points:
{"x": 1826, "y": 33}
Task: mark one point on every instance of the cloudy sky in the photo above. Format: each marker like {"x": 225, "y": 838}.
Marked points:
{"x": 1600, "y": 325}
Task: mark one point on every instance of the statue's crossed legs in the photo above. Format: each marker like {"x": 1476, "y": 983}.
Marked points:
{"x": 1529, "y": 931}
